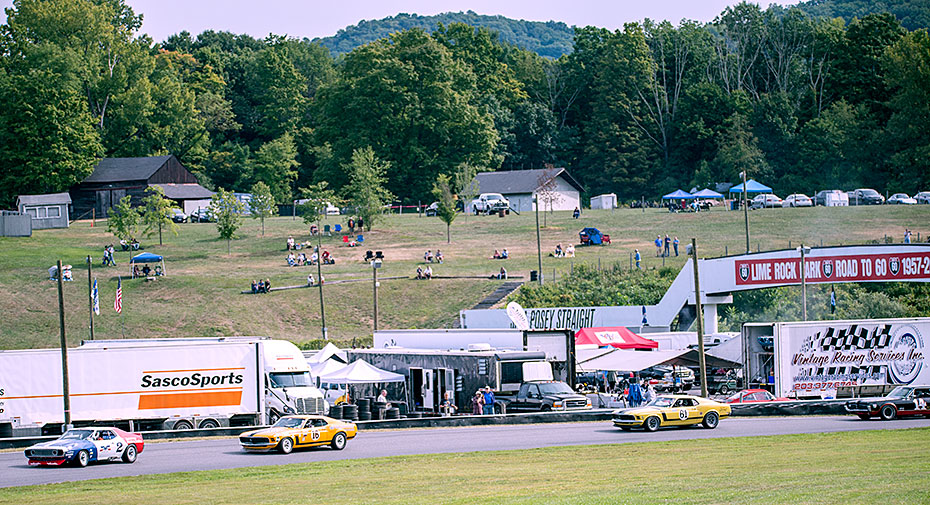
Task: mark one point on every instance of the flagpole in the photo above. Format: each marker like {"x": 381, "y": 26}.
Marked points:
{"x": 90, "y": 297}
{"x": 119, "y": 301}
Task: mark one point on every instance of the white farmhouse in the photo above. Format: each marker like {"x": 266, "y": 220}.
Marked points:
{"x": 555, "y": 187}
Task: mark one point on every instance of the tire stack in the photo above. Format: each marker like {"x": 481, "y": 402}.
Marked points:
{"x": 414, "y": 415}
{"x": 363, "y": 404}
{"x": 392, "y": 413}
{"x": 364, "y": 415}
{"x": 335, "y": 412}
{"x": 350, "y": 412}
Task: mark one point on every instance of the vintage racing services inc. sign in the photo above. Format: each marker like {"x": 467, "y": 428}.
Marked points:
{"x": 819, "y": 269}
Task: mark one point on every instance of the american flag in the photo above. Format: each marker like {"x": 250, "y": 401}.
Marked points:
{"x": 118, "y": 303}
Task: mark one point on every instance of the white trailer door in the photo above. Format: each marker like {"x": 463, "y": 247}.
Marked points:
{"x": 428, "y": 389}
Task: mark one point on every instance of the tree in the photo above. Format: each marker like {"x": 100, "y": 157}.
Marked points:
{"x": 316, "y": 198}
{"x": 123, "y": 220}
{"x": 466, "y": 185}
{"x": 262, "y": 204}
{"x": 275, "y": 164}
{"x": 908, "y": 64}
{"x": 227, "y": 210}
{"x": 442, "y": 190}
{"x": 738, "y": 151}
{"x": 366, "y": 188}
{"x": 156, "y": 212}
{"x": 547, "y": 191}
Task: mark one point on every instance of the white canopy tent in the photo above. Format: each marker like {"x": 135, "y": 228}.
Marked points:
{"x": 328, "y": 351}
{"x": 361, "y": 372}
{"x": 327, "y": 367}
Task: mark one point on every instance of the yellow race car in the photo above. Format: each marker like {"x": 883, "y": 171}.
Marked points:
{"x": 299, "y": 431}
{"x": 672, "y": 410}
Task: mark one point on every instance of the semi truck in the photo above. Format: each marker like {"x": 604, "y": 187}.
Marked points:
{"x": 819, "y": 359}
{"x": 156, "y": 384}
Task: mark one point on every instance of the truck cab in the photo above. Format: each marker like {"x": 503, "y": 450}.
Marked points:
{"x": 289, "y": 389}
{"x": 544, "y": 396}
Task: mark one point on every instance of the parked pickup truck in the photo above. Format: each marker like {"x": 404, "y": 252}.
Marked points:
{"x": 490, "y": 203}
{"x": 542, "y": 396}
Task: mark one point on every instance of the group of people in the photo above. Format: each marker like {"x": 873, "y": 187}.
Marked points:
{"x": 291, "y": 245}
{"x": 566, "y": 252}
{"x": 352, "y": 224}
{"x": 65, "y": 273}
{"x": 261, "y": 286}
{"x": 666, "y": 242}
{"x": 146, "y": 271}
{"x": 108, "y": 259}
{"x": 301, "y": 259}
{"x": 311, "y": 281}
{"x": 425, "y": 273}
{"x": 131, "y": 244}
{"x": 428, "y": 256}
{"x": 640, "y": 392}
{"x": 500, "y": 254}
{"x": 483, "y": 402}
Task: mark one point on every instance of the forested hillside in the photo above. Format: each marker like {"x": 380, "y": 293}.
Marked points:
{"x": 799, "y": 102}
{"x": 551, "y": 39}
{"x": 913, "y": 14}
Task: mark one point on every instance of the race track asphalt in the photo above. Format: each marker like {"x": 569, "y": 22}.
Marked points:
{"x": 182, "y": 456}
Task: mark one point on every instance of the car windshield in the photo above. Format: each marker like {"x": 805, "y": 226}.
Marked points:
{"x": 900, "y": 392}
{"x": 79, "y": 434}
{"x": 899, "y": 195}
{"x": 289, "y": 422}
{"x": 553, "y": 388}
{"x": 495, "y": 196}
{"x": 662, "y": 401}
{"x": 734, "y": 397}
{"x": 869, "y": 192}
{"x": 290, "y": 379}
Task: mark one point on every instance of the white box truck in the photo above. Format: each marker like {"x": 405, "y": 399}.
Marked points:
{"x": 813, "y": 359}
{"x": 156, "y": 384}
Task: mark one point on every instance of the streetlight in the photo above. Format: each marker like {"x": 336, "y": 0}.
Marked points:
{"x": 745, "y": 209}
{"x": 803, "y": 250}
{"x": 375, "y": 265}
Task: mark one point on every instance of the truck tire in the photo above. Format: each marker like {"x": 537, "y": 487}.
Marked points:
{"x": 546, "y": 408}
{"x": 652, "y": 423}
{"x": 711, "y": 420}
{"x": 339, "y": 441}
{"x": 724, "y": 389}
{"x": 888, "y": 413}
{"x": 286, "y": 445}
{"x": 209, "y": 423}
{"x": 183, "y": 425}
{"x": 129, "y": 455}
{"x": 82, "y": 458}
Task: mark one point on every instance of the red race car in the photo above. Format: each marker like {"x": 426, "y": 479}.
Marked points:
{"x": 754, "y": 395}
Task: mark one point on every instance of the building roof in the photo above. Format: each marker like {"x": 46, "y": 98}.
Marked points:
{"x": 49, "y": 199}
{"x": 127, "y": 169}
{"x": 521, "y": 181}
{"x": 185, "y": 191}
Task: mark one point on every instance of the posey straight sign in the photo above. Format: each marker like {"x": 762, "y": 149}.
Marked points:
{"x": 909, "y": 266}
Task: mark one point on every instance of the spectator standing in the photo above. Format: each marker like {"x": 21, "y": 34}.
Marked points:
{"x": 675, "y": 243}
{"x": 907, "y": 236}
{"x": 477, "y": 403}
{"x": 638, "y": 258}
{"x": 635, "y": 396}
{"x": 488, "y": 407}
{"x": 658, "y": 243}
{"x": 359, "y": 223}
{"x": 668, "y": 242}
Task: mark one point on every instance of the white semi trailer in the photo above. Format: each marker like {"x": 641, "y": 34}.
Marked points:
{"x": 156, "y": 384}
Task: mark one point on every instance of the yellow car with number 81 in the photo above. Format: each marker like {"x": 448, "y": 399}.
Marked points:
{"x": 672, "y": 410}
{"x": 299, "y": 431}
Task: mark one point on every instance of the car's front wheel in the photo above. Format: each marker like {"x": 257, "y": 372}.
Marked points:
{"x": 129, "y": 455}
{"x": 652, "y": 423}
{"x": 286, "y": 446}
{"x": 888, "y": 413}
{"x": 83, "y": 458}
{"x": 711, "y": 419}
{"x": 339, "y": 441}
{"x": 724, "y": 389}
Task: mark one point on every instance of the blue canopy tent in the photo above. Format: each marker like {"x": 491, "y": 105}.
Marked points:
{"x": 751, "y": 187}
{"x": 708, "y": 193}
{"x": 146, "y": 257}
{"x": 679, "y": 195}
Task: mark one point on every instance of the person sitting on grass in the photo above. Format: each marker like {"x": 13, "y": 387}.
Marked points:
{"x": 254, "y": 286}
{"x": 310, "y": 279}
{"x": 313, "y": 229}
{"x": 146, "y": 270}
{"x": 290, "y": 243}
{"x": 570, "y": 251}
{"x": 504, "y": 254}
{"x": 158, "y": 271}
{"x": 428, "y": 273}
{"x": 136, "y": 272}
{"x": 497, "y": 255}
{"x": 438, "y": 256}
{"x": 291, "y": 260}
{"x": 267, "y": 285}
{"x": 420, "y": 273}
{"x": 314, "y": 257}
{"x": 502, "y": 274}
{"x": 328, "y": 259}
{"x": 301, "y": 259}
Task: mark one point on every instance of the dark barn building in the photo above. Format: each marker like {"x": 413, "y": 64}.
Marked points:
{"x": 114, "y": 178}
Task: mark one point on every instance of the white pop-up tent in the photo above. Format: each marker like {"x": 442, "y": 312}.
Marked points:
{"x": 361, "y": 372}
{"x": 328, "y": 352}
{"x": 327, "y": 367}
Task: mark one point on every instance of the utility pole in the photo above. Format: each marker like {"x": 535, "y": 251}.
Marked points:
{"x": 538, "y": 242}
{"x": 90, "y": 296}
{"x": 64, "y": 349}
{"x": 375, "y": 265}
{"x": 700, "y": 318}
{"x": 319, "y": 272}
{"x": 745, "y": 209}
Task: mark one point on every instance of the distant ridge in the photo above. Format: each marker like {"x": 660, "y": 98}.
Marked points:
{"x": 550, "y": 39}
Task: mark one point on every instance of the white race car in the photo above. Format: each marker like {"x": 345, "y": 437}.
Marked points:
{"x": 84, "y": 445}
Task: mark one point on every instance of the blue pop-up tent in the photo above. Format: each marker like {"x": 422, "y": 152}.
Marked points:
{"x": 679, "y": 195}
{"x": 751, "y": 187}
{"x": 146, "y": 257}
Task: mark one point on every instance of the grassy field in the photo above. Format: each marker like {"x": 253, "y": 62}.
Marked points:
{"x": 200, "y": 295}
{"x": 856, "y": 467}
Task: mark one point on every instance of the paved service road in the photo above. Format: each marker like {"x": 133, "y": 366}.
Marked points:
{"x": 214, "y": 454}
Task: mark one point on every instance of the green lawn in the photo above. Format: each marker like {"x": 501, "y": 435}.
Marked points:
{"x": 201, "y": 296}
{"x": 856, "y": 467}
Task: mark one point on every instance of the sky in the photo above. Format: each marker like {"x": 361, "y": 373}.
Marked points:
{"x": 311, "y": 19}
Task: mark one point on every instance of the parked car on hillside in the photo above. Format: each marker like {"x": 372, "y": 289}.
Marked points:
{"x": 433, "y": 209}
{"x": 901, "y": 199}
{"x": 178, "y": 216}
{"x": 767, "y": 201}
{"x": 923, "y": 197}
{"x": 202, "y": 215}
{"x": 490, "y": 203}
{"x": 831, "y": 198}
{"x": 797, "y": 200}
{"x": 865, "y": 196}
